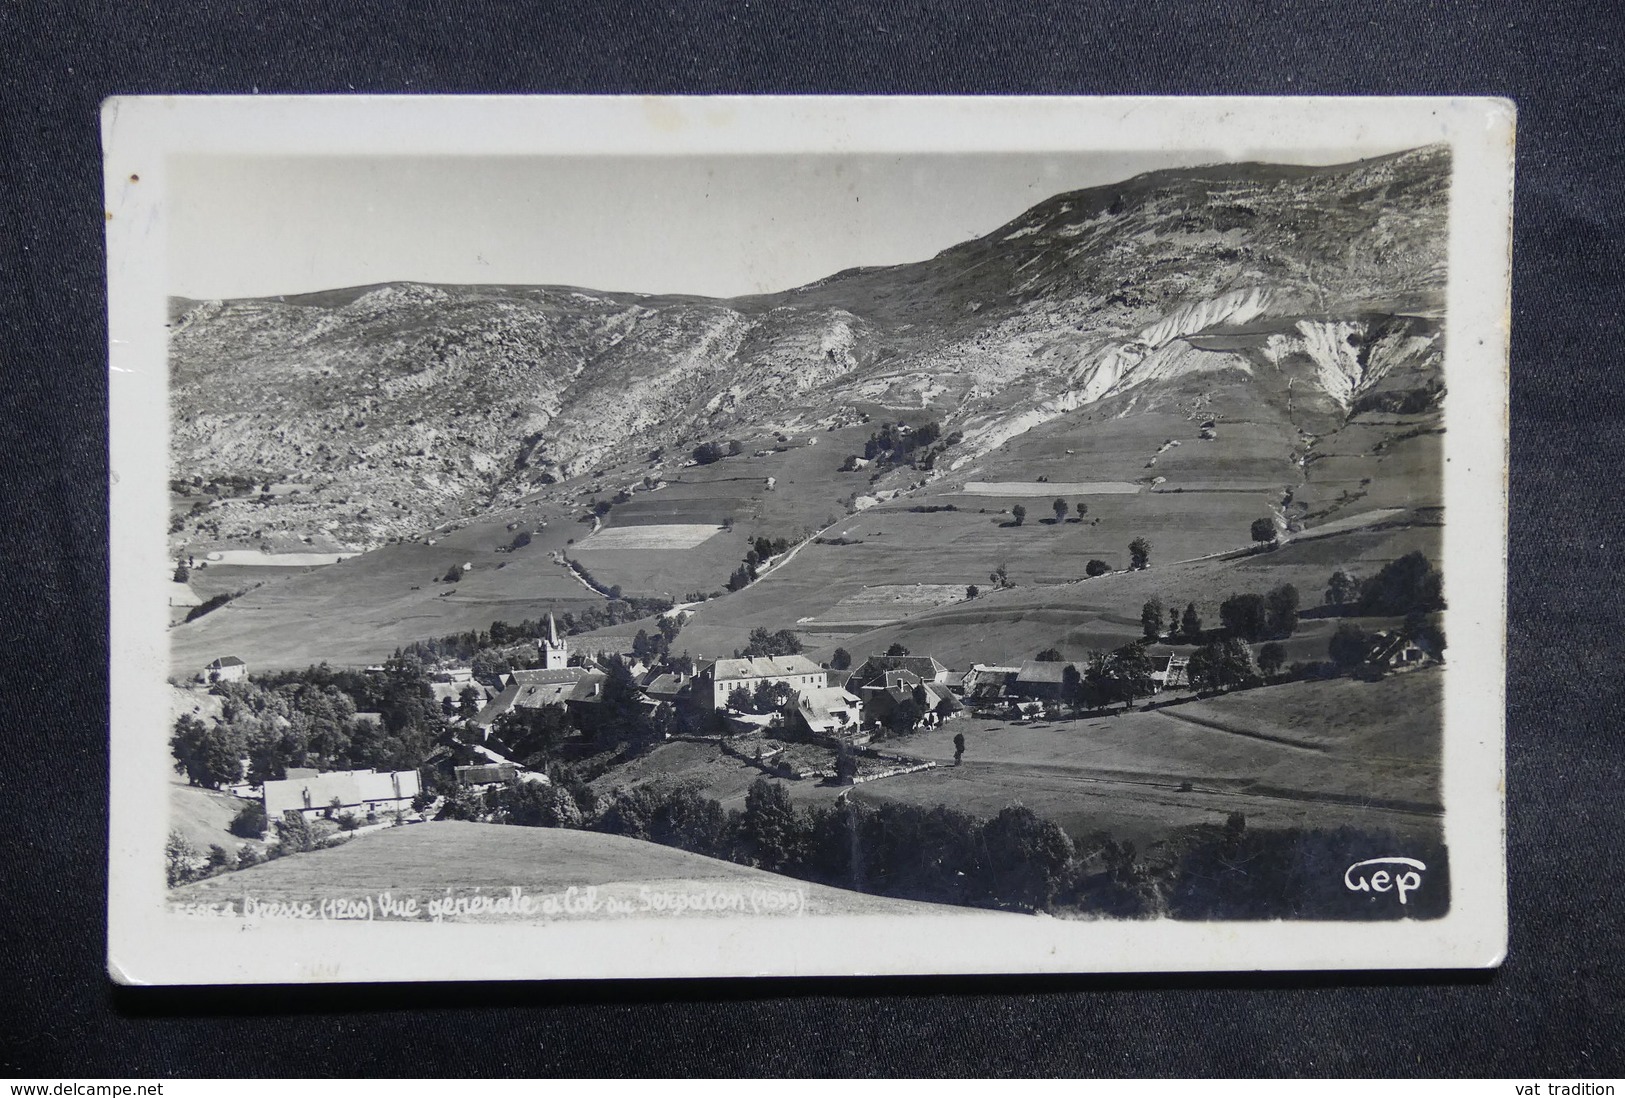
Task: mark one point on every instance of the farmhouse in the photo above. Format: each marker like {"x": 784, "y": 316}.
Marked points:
{"x": 883, "y": 699}
{"x": 1043, "y": 679}
{"x": 987, "y": 681}
{"x": 830, "y": 715}
{"x": 716, "y": 680}
{"x": 1170, "y": 670}
{"x": 352, "y": 790}
{"x": 226, "y": 669}
{"x": 1396, "y": 652}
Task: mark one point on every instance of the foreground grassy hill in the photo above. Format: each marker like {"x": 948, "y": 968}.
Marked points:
{"x": 422, "y": 861}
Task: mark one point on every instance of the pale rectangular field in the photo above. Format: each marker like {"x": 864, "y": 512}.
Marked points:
{"x": 881, "y": 603}
{"x": 1049, "y": 488}
{"x": 683, "y": 535}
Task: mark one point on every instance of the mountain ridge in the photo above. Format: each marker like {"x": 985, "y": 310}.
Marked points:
{"x": 399, "y": 407}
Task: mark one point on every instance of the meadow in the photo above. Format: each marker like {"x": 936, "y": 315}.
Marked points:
{"x": 424, "y": 860}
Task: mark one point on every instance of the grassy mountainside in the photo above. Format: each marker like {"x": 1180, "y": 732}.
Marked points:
{"x": 1081, "y": 346}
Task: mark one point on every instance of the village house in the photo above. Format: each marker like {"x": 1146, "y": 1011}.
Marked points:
{"x": 358, "y": 791}
{"x": 1393, "y": 651}
{"x": 830, "y": 715}
{"x": 538, "y": 688}
{"x": 882, "y": 699}
{"x": 988, "y": 682}
{"x": 486, "y": 773}
{"x": 666, "y": 686}
{"x": 923, "y": 668}
{"x": 225, "y": 669}
{"x": 714, "y": 681}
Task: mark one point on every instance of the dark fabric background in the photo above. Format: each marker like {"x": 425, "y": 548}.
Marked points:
{"x": 1554, "y": 1010}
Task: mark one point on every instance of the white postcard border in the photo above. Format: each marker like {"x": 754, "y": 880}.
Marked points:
{"x": 148, "y": 945}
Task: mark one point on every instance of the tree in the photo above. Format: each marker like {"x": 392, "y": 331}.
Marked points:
{"x": 533, "y": 734}
{"x": 1407, "y": 584}
{"x": 782, "y": 643}
{"x": 1245, "y": 616}
{"x": 1049, "y": 655}
{"x": 1081, "y": 508}
{"x": 1000, "y": 578}
{"x": 1348, "y": 646}
{"x": 769, "y": 830}
{"x": 489, "y": 665}
{"x": 959, "y": 747}
{"x": 1059, "y": 507}
{"x": 1190, "y": 624}
{"x": 735, "y": 447}
{"x": 740, "y": 700}
{"x": 181, "y": 574}
{"x": 1271, "y": 657}
{"x": 1072, "y": 687}
{"x": 770, "y": 695}
{"x": 707, "y": 452}
{"x": 896, "y": 649}
{"x": 1281, "y": 609}
{"x": 1151, "y": 618}
{"x": 1026, "y": 857}
{"x": 209, "y": 757}
{"x": 1096, "y": 568}
{"x": 1131, "y": 673}
{"x": 972, "y": 591}
{"x": 468, "y": 703}
{"x": 521, "y": 539}
{"x": 1222, "y": 664}
{"x": 1263, "y": 530}
{"x": 1139, "y": 552}
{"x": 180, "y": 857}
{"x": 250, "y": 821}
{"x": 1019, "y": 513}
{"x": 1340, "y": 588}
{"x": 840, "y": 659}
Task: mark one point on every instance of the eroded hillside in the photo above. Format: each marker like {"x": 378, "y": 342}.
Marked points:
{"x": 381, "y": 413}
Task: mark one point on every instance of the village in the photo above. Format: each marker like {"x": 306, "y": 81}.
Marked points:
{"x": 556, "y": 713}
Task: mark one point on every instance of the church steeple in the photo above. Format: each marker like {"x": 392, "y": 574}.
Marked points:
{"x": 555, "y": 653}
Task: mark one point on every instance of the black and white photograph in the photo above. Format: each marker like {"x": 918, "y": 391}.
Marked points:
{"x": 643, "y": 537}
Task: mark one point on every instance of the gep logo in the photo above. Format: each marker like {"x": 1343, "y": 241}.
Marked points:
{"x": 1366, "y": 877}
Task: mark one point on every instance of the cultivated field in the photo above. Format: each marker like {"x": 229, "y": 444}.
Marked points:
{"x": 656, "y": 538}
{"x": 1061, "y": 488}
{"x": 360, "y": 610}
{"x": 422, "y": 861}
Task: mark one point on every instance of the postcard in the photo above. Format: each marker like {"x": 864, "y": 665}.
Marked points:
{"x": 619, "y": 537}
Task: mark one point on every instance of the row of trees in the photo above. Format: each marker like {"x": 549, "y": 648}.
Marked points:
{"x": 1251, "y": 617}
{"x": 1013, "y": 860}
{"x": 761, "y": 550}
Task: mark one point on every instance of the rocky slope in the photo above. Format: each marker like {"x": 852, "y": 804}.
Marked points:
{"x": 395, "y": 408}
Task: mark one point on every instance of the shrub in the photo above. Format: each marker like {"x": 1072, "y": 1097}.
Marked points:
{"x": 249, "y": 823}
{"x": 1096, "y": 568}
